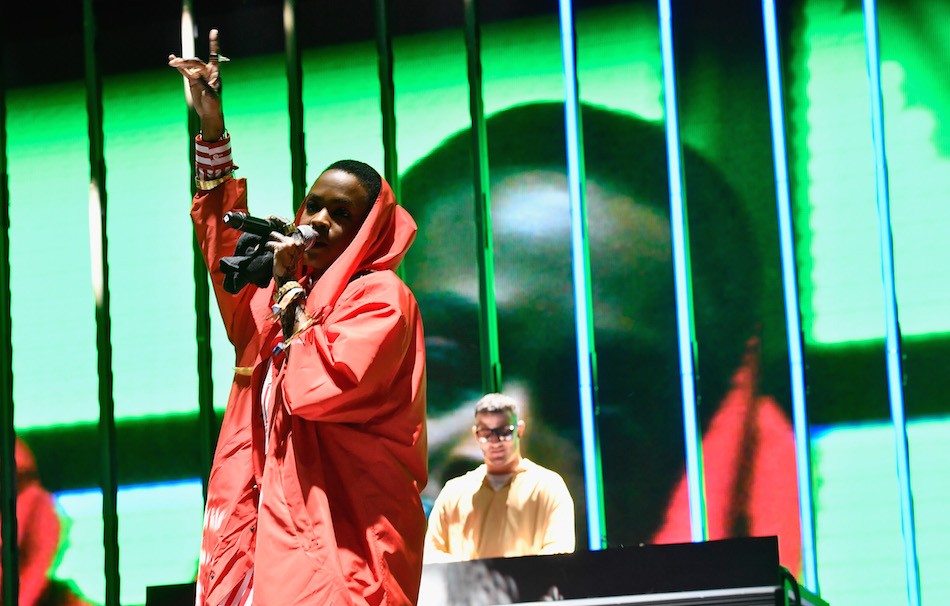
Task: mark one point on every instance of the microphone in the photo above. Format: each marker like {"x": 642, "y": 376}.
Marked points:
{"x": 307, "y": 234}
{"x": 263, "y": 227}
{"x": 253, "y": 225}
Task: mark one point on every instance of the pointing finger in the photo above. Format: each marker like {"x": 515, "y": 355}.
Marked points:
{"x": 213, "y": 45}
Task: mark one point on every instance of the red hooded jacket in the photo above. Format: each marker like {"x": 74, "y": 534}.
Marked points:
{"x": 331, "y": 513}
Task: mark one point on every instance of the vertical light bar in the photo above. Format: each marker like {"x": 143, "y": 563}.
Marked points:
{"x": 387, "y": 94}
{"x": 895, "y": 388}
{"x": 580, "y": 262}
{"x": 100, "y": 283}
{"x": 681, "y": 278}
{"x": 387, "y": 100}
{"x": 298, "y": 154}
{"x": 487, "y": 311}
{"x": 8, "y": 522}
{"x": 207, "y": 426}
{"x": 793, "y": 328}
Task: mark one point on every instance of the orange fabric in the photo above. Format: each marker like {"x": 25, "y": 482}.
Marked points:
{"x": 227, "y": 545}
{"x": 38, "y": 528}
{"x": 340, "y": 517}
{"x": 750, "y": 475}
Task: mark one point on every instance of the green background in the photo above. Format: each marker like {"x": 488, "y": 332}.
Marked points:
{"x": 150, "y": 259}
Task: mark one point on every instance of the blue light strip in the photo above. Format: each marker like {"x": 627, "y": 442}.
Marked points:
{"x": 583, "y": 318}
{"x": 793, "y": 326}
{"x": 684, "y": 312}
{"x": 892, "y": 339}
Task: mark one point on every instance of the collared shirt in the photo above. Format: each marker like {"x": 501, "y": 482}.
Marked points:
{"x": 532, "y": 514}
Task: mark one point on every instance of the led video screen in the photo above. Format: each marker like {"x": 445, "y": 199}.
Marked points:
{"x": 744, "y": 404}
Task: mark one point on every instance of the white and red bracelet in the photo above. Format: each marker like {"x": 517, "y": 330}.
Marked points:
{"x": 213, "y": 161}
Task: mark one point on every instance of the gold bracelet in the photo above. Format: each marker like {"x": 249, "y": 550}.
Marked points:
{"x": 285, "y": 288}
{"x": 206, "y": 185}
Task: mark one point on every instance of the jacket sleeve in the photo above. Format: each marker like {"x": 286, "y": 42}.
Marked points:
{"x": 353, "y": 367}
{"x": 437, "y": 549}
{"x": 559, "y": 531}
{"x": 216, "y": 240}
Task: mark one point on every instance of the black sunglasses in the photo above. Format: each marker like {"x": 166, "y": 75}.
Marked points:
{"x": 503, "y": 433}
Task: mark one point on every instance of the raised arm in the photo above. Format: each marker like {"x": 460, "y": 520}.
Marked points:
{"x": 218, "y": 193}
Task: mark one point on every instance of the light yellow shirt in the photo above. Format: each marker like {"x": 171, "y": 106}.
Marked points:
{"x": 532, "y": 514}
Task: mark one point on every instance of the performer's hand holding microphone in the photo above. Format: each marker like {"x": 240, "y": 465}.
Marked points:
{"x": 286, "y": 240}
{"x": 253, "y": 261}
{"x": 264, "y": 227}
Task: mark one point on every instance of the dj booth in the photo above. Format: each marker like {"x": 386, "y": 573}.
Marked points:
{"x": 729, "y": 572}
{"x": 734, "y": 571}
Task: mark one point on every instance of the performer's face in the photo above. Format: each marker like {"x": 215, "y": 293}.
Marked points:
{"x": 336, "y": 207}
{"x": 498, "y": 436}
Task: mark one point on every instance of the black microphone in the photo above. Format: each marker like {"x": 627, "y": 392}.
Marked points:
{"x": 263, "y": 227}
{"x": 252, "y": 225}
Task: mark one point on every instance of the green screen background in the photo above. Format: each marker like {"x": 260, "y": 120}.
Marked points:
{"x": 150, "y": 260}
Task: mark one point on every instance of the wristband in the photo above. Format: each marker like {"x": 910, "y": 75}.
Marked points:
{"x": 285, "y": 288}
{"x": 206, "y": 185}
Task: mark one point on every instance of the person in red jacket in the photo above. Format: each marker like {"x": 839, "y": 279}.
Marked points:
{"x": 314, "y": 495}
{"x": 38, "y": 538}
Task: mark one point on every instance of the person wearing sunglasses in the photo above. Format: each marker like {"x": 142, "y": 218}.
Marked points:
{"x": 508, "y": 506}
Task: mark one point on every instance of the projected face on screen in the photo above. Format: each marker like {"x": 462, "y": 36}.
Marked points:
{"x": 632, "y": 286}
{"x": 832, "y": 185}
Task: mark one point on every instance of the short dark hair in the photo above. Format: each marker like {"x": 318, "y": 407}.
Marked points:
{"x": 497, "y": 403}
{"x": 364, "y": 173}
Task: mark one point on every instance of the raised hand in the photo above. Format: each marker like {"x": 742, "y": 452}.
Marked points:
{"x": 205, "y": 83}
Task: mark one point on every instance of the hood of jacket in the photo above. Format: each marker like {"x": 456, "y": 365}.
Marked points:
{"x": 381, "y": 243}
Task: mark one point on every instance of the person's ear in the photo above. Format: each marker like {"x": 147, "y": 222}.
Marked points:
{"x": 520, "y": 427}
